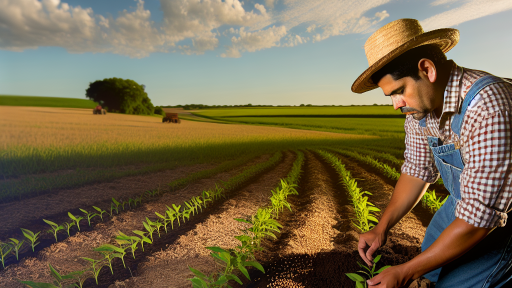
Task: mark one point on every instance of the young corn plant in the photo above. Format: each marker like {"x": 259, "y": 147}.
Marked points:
{"x": 89, "y": 215}
{"x": 32, "y": 237}
{"x": 177, "y": 212}
{"x": 100, "y": 211}
{"x": 165, "y": 219}
{"x": 171, "y": 214}
{"x": 16, "y": 246}
{"x": 150, "y": 227}
{"x": 143, "y": 238}
{"x": 55, "y": 228}
{"x": 114, "y": 206}
{"x": 110, "y": 252}
{"x": 130, "y": 241}
{"x": 96, "y": 266}
{"x": 68, "y": 226}
{"x": 431, "y": 201}
{"x": 232, "y": 260}
{"x": 206, "y": 197}
{"x": 367, "y": 271}
{"x": 75, "y": 219}
{"x": 5, "y": 249}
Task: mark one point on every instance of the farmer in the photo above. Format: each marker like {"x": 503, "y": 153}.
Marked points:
{"x": 458, "y": 126}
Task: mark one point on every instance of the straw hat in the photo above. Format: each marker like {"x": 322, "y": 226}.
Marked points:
{"x": 395, "y": 38}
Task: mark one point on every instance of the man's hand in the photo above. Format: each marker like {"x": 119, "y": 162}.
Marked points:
{"x": 369, "y": 242}
{"x": 393, "y": 277}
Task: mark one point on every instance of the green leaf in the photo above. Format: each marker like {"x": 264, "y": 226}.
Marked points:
{"x": 234, "y": 277}
{"x": 382, "y": 269}
{"x": 255, "y": 265}
{"x": 355, "y": 277}
{"x": 53, "y": 224}
{"x": 376, "y": 259}
{"x": 197, "y": 272}
{"x": 55, "y": 274}
{"x": 360, "y": 285}
{"x": 244, "y": 271}
{"x": 71, "y": 216}
{"x": 217, "y": 249}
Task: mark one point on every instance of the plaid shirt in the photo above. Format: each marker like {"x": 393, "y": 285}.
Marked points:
{"x": 485, "y": 143}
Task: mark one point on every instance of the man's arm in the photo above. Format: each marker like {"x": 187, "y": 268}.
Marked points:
{"x": 408, "y": 192}
{"x": 458, "y": 238}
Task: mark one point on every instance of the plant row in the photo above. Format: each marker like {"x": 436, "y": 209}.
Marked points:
{"x": 262, "y": 225}
{"x": 14, "y": 246}
{"x": 176, "y": 214}
{"x": 429, "y": 199}
{"x": 365, "y": 211}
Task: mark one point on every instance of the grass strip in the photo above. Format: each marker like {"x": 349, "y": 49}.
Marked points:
{"x": 365, "y": 211}
{"x": 429, "y": 199}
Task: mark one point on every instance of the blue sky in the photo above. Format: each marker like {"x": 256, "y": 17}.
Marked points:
{"x": 230, "y": 52}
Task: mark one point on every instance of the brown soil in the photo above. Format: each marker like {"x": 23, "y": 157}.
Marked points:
{"x": 318, "y": 244}
{"x": 169, "y": 267}
{"x": 65, "y": 255}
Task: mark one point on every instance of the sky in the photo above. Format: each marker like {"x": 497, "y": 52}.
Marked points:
{"x": 230, "y": 52}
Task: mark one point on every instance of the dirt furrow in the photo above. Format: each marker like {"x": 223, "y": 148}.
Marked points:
{"x": 169, "y": 267}
{"x": 326, "y": 266}
{"x": 65, "y": 255}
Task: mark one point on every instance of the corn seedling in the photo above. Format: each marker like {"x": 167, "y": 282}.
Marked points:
{"x": 369, "y": 272}
{"x": 165, "y": 219}
{"x": 143, "y": 238}
{"x": 231, "y": 259}
{"x": 5, "y": 248}
{"x": 101, "y": 211}
{"x": 177, "y": 212}
{"x": 431, "y": 201}
{"x": 190, "y": 208}
{"x": 16, "y": 246}
{"x": 158, "y": 225}
{"x": 172, "y": 216}
{"x": 114, "y": 206}
{"x": 262, "y": 225}
{"x": 32, "y": 237}
{"x": 68, "y": 226}
{"x": 130, "y": 202}
{"x": 89, "y": 215}
{"x": 149, "y": 227}
{"x": 123, "y": 204}
{"x": 206, "y": 197}
{"x": 76, "y": 219}
{"x": 96, "y": 266}
{"x": 130, "y": 241}
{"x": 55, "y": 228}
{"x": 110, "y": 252}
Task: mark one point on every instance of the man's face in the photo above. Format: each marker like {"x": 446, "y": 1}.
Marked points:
{"x": 411, "y": 96}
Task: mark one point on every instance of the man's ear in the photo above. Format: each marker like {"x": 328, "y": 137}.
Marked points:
{"x": 427, "y": 69}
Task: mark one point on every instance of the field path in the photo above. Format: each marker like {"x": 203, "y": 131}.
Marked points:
{"x": 65, "y": 255}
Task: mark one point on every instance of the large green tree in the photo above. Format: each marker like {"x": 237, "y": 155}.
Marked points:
{"x": 120, "y": 95}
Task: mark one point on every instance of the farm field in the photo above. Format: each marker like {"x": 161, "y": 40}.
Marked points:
{"x": 351, "y": 120}
{"x": 180, "y": 186}
{"x": 36, "y": 101}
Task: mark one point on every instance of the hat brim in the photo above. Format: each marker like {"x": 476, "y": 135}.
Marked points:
{"x": 445, "y": 38}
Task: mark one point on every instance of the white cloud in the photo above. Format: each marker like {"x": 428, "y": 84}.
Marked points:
{"x": 254, "y": 41}
{"x": 466, "y": 12}
{"x": 270, "y": 3}
{"x": 443, "y": 2}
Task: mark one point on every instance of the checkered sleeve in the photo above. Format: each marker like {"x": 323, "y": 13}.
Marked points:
{"x": 486, "y": 180}
{"x": 418, "y": 158}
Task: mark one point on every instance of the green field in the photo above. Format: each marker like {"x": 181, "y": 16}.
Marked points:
{"x": 380, "y": 121}
{"x": 35, "y": 101}
{"x": 369, "y": 111}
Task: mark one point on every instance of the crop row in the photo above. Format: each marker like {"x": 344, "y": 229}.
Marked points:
{"x": 14, "y": 246}
{"x": 364, "y": 210}
{"x": 429, "y": 199}
{"x": 124, "y": 243}
{"x": 262, "y": 225}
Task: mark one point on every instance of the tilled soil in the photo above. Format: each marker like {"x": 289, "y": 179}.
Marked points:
{"x": 65, "y": 255}
{"x": 318, "y": 245}
{"x": 169, "y": 267}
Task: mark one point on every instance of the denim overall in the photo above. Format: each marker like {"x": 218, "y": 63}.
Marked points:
{"x": 489, "y": 263}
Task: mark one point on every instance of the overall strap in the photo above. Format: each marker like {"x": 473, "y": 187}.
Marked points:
{"x": 479, "y": 84}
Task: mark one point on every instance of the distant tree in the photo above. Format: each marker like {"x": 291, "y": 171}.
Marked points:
{"x": 120, "y": 95}
{"x": 159, "y": 111}
{"x": 301, "y": 105}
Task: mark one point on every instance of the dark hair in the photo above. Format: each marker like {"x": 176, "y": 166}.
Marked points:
{"x": 406, "y": 65}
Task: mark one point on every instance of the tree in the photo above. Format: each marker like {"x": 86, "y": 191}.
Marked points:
{"x": 120, "y": 95}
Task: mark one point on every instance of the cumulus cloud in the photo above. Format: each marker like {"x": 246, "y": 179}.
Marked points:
{"x": 254, "y": 41}
{"x": 468, "y": 11}
{"x": 192, "y": 26}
